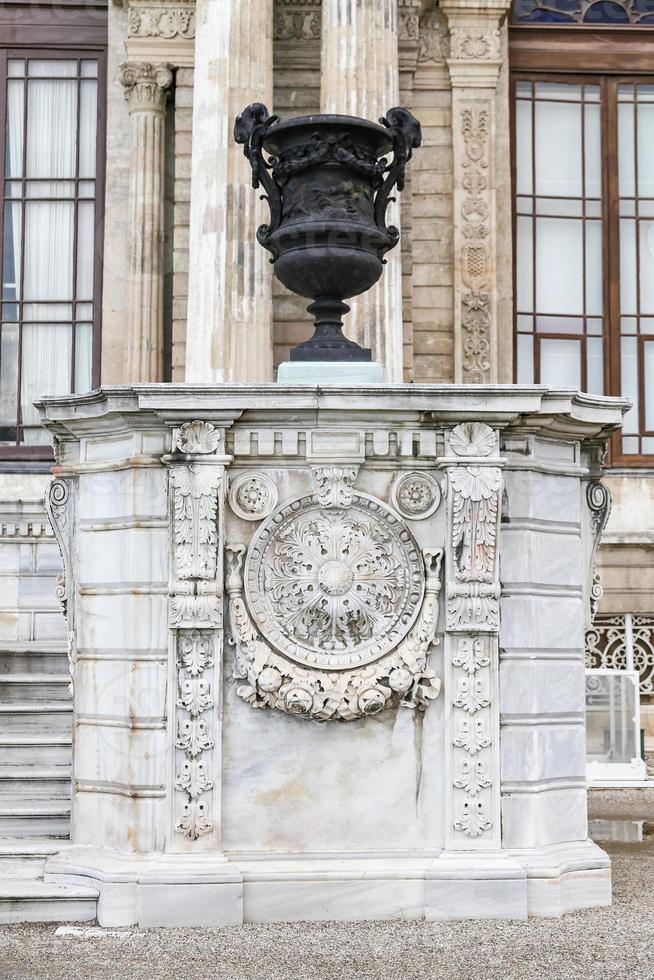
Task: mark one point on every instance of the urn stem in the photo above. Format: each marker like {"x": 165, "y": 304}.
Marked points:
{"x": 328, "y": 342}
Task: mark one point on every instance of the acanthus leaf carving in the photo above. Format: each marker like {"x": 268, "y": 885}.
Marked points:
{"x": 195, "y": 703}
{"x": 470, "y": 695}
{"x": 472, "y": 735}
{"x": 472, "y": 777}
{"x": 335, "y": 485}
{"x": 398, "y": 675}
{"x": 473, "y": 819}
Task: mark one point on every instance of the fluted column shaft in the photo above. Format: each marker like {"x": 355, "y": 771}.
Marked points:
{"x": 229, "y": 333}
{"x": 360, "y": 77}
{"x": 146, "y": 89}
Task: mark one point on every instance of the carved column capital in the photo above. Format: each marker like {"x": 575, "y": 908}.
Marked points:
{"x": 146, "y": 85}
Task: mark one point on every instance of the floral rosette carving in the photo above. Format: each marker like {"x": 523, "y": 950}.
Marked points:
{"x": 336, "y": 614}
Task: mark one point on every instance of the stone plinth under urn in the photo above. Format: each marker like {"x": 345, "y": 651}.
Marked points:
{"x": 327, "y": 649}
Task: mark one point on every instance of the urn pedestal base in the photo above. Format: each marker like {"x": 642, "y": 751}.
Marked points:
{"x": 327, "y": 649}
{"x": 330, "y": 373}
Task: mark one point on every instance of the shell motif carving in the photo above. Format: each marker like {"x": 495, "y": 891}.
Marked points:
{"x": 336, "y": 613}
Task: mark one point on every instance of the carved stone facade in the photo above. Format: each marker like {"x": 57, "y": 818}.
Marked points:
{"x": 474, "y": 481}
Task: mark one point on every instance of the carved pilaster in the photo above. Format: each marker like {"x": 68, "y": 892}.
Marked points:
{"x": 474, "y": 66}
{"x": 474, "y": 493}
{"x": 146, "y": 88}
{"x": 195, "y": 618}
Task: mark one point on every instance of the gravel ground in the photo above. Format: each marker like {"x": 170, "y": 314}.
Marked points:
{"x": 602, "y": 944}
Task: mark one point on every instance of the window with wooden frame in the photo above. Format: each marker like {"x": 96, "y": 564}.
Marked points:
{"x": 583, "y": 142}
{"x": 52, "y": 126}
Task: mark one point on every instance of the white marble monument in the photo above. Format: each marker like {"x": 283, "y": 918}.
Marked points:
{"x": 327, "y": 649}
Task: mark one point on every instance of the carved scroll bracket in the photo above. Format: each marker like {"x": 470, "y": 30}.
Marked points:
{"x": 59, "y": 504}
{"x": 598, "y": 501}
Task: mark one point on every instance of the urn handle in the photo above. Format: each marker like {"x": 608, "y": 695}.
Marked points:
{"x": 405, "y": 132}
{"x": 250, "y": 129}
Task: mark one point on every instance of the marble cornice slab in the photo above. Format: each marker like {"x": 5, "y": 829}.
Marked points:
{"x": 553, "y": 412}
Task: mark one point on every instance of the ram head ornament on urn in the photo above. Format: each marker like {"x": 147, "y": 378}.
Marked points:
{"x": 328, "y": 184}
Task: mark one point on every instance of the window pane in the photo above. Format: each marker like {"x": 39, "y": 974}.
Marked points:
{"x": 523, "y": 148}
{"x": 560, "y": 363}
{"x": 525, "y": 372}
{"x": 558, "y": 148}
{"x": 85, "y": 251}
{"x": 645, "y": 149}
{"x": 51, "y": 128}
{"x": 593, "y": 151}
{"x": 88, "y": 117}
{"x": 11, "y": 257}
{"x": 626, "y": 159}
{"x": 594, "y": 269}
{"x": 648, "y": 366}
{"x": 525, "y": 267}
{"x": 8, "y": 376}
{"x": 628, "y": 267}
{"x": 559, "y": 267}
{"x": 45, "y": 359}
{"x": 52, "y": 68}
{"x": 594, "y": 365}
{"x": 630, "y": 444}
{"x": 83, "y": 350}
{"x": 14, "y": 129}
{"x": 49, "y": 250}
{"x": 646, "y": 266}
{"x": 629, "y": 373}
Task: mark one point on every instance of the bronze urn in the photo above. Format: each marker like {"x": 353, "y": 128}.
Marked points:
{"x": 328, "y": 183}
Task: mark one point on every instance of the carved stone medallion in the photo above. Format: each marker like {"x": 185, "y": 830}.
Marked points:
{"x": 252, "y": 496}
{"x": 334, "y": 588}
{"x": 416, "y": 495}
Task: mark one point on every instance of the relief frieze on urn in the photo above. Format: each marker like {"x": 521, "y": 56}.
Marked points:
{"x": 333, "y": 604}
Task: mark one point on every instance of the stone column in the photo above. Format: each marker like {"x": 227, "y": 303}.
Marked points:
{"x": 476, "y": 57}
{"x": 229, "y": 334}
{"x": 146, "y": 90}
{"x": 360, "y": 77}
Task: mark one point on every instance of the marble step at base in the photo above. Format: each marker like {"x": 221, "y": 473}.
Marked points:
{"x": 44, "y": 749}
{"x": 39, "y": 901}
{"x": 35, "y": 818}
{"x": 53, "y": 717}
{"x": 39, "y": 658}
{"x": 25, "y": 859}
{"x": 34, "y": 687}
{"x": 34, "y": 782}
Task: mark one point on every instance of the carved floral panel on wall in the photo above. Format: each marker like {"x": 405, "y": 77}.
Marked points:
{"x": 333, "y": 608}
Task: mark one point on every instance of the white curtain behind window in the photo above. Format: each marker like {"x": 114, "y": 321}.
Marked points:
{"x": 49, "y": 239}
